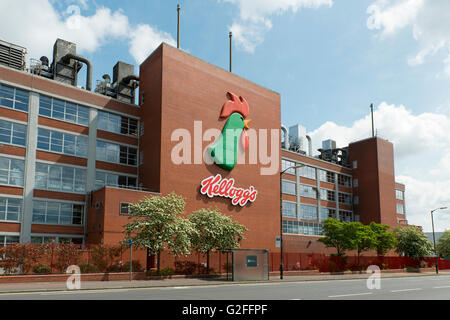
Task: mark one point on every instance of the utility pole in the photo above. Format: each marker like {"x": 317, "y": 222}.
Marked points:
{"x": 231, "y": 46}
{"x": 371, "y": 113}
{"x": 178, "y": 27}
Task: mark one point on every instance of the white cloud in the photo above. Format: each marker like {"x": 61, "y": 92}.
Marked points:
{"x": 37, "y": 32}
{"x": 428, "y": 19}
{"x": 144, "y": 39}
{"x": 254, "y": 18}
{"x": 422, "y": 141}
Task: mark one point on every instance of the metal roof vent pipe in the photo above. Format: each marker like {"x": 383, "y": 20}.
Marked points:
{"x": 286, "y": 137}
{"x": 66, "y": 59}
{"x": 309, "y": 145}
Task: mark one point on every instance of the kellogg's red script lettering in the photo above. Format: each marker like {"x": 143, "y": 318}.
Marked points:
{"x": 216, "y": 186}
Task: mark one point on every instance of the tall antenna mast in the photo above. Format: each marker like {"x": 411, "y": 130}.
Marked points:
{"x": 231, "y": 46}
{"x": 178, "y": 26}
{"x": 371, "y": 113}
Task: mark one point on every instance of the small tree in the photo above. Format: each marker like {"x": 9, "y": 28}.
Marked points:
{"x": 361, "y": 236}
{"x": 215, "y": 231}
{"x": 412, "y": 242}
{"x": 157, "y": 224}
{"x": 335, "y": 236}
{"x": 443, "y": 245}
{"x": 384, "y": 240}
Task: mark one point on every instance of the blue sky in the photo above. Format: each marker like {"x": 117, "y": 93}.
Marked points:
{"x": 329, "y": 59}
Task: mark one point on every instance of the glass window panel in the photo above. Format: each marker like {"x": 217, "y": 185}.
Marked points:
{"x": 132, "y": 182}
{"x": 45, "y": 106}
{"x": 58, "y": 109}
{"x": 14, "y": 209}
{"x": 100, "y": 179}
{"x": 11, "y": 240}
{"x": 3, "y": 209}
{"x": 43, "y": 141}
{"x": 132, "y": 156}
{"x": 83, "y": 115}
{"x": 101, "y": 151}
{"x": 288, "y": 187}
{"x": 66, "y": 213}
{"x": 6, "y": 96}
{"x": 71, "y": 112}
{"x": 80, "y": 180}
{"x": 67, "y": 178}
{"x": 19, "y": 134}
{"x": 56, "y": 141}
{"x": 112, "y": 180}
{"x": 5, "y": 131}
{"x": 123, "y": 155}
{"x": 21, "y": 102}
{"x": 124, "y": 125}
{"x": 77, "y": 213}
{"x": 17, "y": 172}
{"x": 69, "y": 144}
{"x": 52, "y": 212}
{"x": 4, "y": 170}
{"x": 36, "y": 240}
{"x": 41, "y": 176}
{"x": 112, "y": 152}
{"x": 82, "y": 146}
{"x": 39, "y": 208}
{"x": 54, "y": 177}
{"x": 289, "y": 209}
{"x": 123, "y": 181}
{"x": 133, "y": 127}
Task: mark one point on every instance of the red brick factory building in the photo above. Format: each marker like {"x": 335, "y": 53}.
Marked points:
{"x": 72, "y": 158}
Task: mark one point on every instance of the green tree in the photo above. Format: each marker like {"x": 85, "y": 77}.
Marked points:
{"x": 335, "y": 236}
{"x": 361, "y": 237}
{"x": 412, "y": 242}
{"x": 384, "y": 239}
{"x": 443, "y": 245}
{"x": 157, "y": 224}
{"x": 215, "y": 231}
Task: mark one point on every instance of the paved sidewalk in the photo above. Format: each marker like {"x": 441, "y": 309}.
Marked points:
{"x": 181, "y": 282}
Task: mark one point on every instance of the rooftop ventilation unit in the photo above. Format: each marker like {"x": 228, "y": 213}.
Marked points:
{"x": 12, "y": 55}
{"x": 330, "y": 153}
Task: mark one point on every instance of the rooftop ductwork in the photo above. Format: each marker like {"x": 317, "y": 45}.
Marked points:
{"x": 67, "y": 60}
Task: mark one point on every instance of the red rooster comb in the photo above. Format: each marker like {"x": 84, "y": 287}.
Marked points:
{"x": 235, "y": 105}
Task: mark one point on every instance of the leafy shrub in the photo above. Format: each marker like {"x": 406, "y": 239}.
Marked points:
{"x": 41, "y": 269}
{"x": 423, "y": 264}
{"x": 137, "y": 267}
{"x": 88, "y": 268}
{"x": 185, "y": 267}
{"x": 167, "y": 271}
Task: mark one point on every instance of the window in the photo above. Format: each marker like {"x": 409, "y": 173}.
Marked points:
{"x": 326, "y": 213}
{"x": 308, "y": 212}
{"x": 125, "y": 208}
{"x": 345, "y": 198}
{"x": 115, "y": 153}
{"x": 327, "y": 176}
{"x": 60, "y": 178}
{"x": 13, "y": 133}
{"x": 356, "y": 200}
{"x": 289, "y": 209}
{"x": 62, "y": 110}
{"x": 400, "y": 208}
{"x": 355, "y": 164}
{"x": 7, "y": 240}
{"x": 14, "y": 98}
{"x": 399, "y": 194}
{"x": 11, "y": 171}
{"x": 286, "y": 164}
{"x": 345, "y": 181}
{"x": 346, "y": 216}
{"x": 57, "y": 213}
{"x": 66, "y": 143}
{"x": 115, "y": 123}
{"x": 114, "y": 180}
{"x": 289, "y": 187}
{"x": 327, "y": 195}
{"x": 308, "y": 191}
{"x": 355, "y": 182}
{"x": 308, "y": 172}
{"x": 56, "y": 239}
{"x": 10, "y": 209}
{"x": 303, "y": 228}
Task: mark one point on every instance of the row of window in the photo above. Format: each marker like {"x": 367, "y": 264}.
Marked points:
{"x": 309, "y": 212}
{"x": 114, "y": 180}
{"x": 118, "y": 124}
{"x": 66, "y": 143}
{"x": 115, "y": 153}
{"x": 14, "y": 98}
{"x": 57, "y": 213}
{"x": 56, "y": 239}
{"x": 7, "y": 240}
{"x": 62, "y": 110}
{"x": 399, "y": 194}
{"x": 289, "y": 187}
{"x": 400, "y": 208}
{"x": 303, "y": 228}
{"x": 60, "y": 178}
{"x": 13, "y": 133}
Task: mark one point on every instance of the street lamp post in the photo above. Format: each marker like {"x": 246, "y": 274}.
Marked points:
{"x": 434, "y": 239}
{"x": 281, "y": 216}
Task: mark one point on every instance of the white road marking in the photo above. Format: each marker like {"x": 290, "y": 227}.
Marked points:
{"x": 441, "y": 287}
{"x": 404, "y": 290}
{"x": 350, "y": 295}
